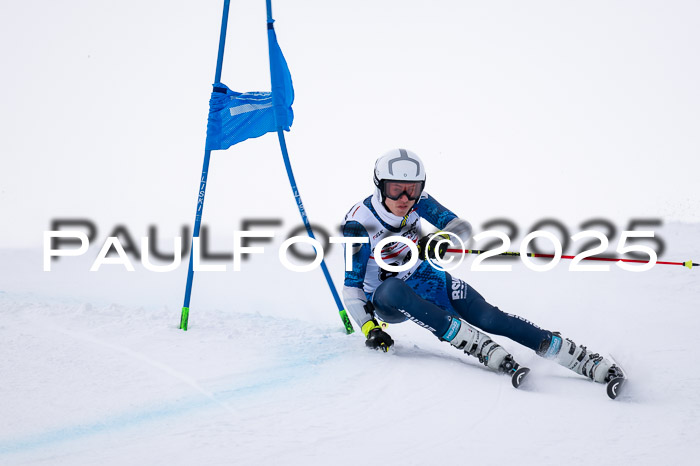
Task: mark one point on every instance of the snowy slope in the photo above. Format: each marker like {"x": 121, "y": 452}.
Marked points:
{"x": 89, "y": 377}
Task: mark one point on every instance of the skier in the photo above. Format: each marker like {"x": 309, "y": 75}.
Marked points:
{"x": 446, "y": 306}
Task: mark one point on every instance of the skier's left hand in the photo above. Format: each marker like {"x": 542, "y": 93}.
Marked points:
{"x": 376, "y": 337}
{"x": 379, "y": 339}
{"x": 428, "y": 248}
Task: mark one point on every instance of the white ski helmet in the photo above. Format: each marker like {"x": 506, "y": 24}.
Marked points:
{"x": 403, "y": 166}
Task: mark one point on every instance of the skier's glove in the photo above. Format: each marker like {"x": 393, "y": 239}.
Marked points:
{"x": 427, "y": 246}
{"x": 376, "y": 337}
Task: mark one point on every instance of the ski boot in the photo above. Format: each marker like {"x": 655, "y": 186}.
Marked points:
{"x": 475, "y": 343}
{"x": 582, "y": 361}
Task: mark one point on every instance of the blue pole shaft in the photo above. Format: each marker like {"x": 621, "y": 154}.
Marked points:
{"x": 184, "y": 316}
{"x": 290, "y": 174}
{"x": 222, "y": 42}
{"x": 305, "y": 219}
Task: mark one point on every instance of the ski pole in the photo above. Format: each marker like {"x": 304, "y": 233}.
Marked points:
{"x": 690, "y": 264}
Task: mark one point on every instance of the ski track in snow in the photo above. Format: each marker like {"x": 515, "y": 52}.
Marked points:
{"x": 256, "y": 383}
{"x": 86, "y": 382}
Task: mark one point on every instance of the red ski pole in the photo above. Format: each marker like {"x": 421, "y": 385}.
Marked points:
{"x": 688, "y": 264}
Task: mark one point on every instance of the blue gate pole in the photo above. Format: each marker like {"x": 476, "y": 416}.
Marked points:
{"x": 295, "y": 191}
{"x": 302, "y": 211}
{"x": 184, "y": 316}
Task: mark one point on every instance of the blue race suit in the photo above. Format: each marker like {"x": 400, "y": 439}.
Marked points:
{"x": 428, "y": 296}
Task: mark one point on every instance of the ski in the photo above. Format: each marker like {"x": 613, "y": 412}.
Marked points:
{"x": 518, "y": 376}
{"x": 614, "y": 386}
{"x": 617, "y": 381}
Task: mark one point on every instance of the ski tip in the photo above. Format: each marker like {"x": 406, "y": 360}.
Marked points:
{"x": 518, "y": 376}
{"x": 615, "y": 387}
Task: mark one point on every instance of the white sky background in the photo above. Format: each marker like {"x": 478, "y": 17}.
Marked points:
{"x": 523, "y": 110}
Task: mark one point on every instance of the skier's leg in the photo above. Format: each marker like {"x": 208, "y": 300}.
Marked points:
{"x": 473, "y": 308}
{"x": 394, "y": 300}
{"x": 550, "y": 345}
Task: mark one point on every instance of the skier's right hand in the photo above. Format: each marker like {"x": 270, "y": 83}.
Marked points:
{"x": 427, "y": 246}
{"x": 377, "y": 338}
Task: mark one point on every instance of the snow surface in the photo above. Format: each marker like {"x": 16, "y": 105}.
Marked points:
{"x": 95, "y": 370}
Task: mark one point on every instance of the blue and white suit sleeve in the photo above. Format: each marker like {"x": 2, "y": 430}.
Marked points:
{"x": 443, "y": 218}
{"x": 353, "y": 289}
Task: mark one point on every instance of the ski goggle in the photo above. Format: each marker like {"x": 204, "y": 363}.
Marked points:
{"x": 395, "y": 189}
